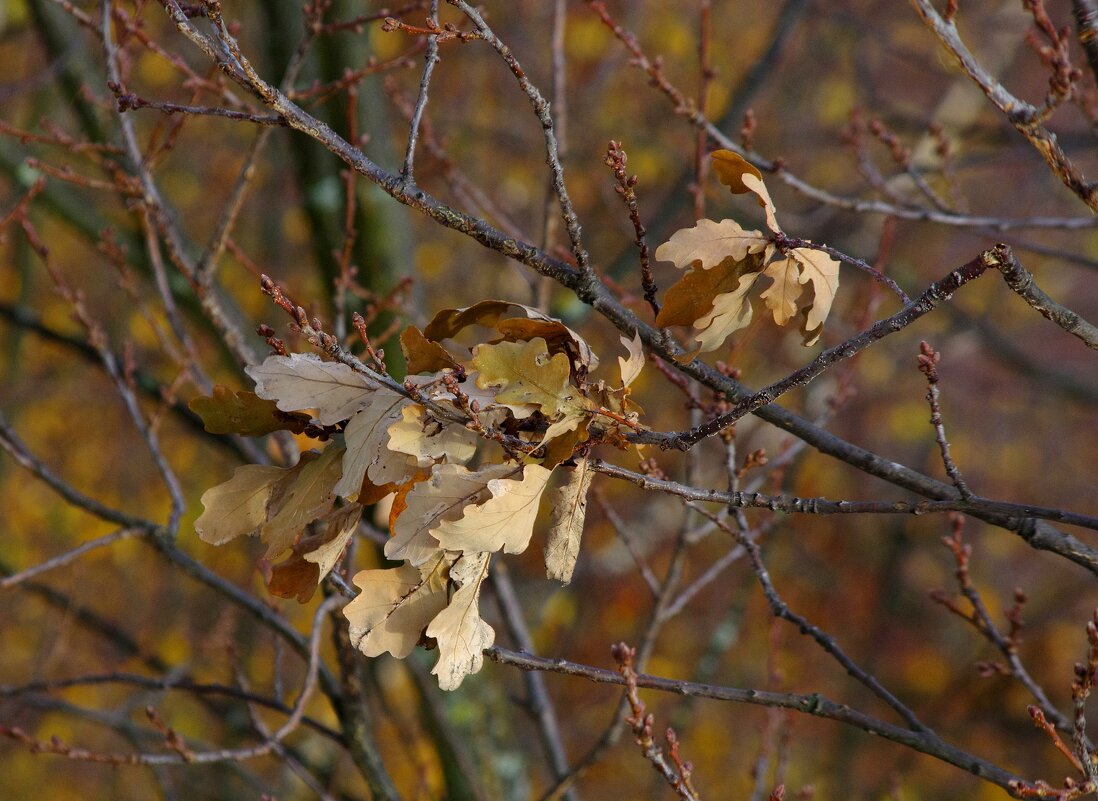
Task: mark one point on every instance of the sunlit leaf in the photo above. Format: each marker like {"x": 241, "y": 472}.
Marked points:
{"x": 303, "y": 381}
{"x": 708, "y": 244}
{"x": 505, "y": 520}
{"x": 525, "y": 373}
{"x": 429, "y": 504}
{"x": 458, "y": 629}
{"x": 418, "y": 435}
{"x": 395, "y": 606}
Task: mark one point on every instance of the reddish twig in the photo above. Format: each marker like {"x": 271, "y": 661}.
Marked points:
{"x": 676, "y": 772}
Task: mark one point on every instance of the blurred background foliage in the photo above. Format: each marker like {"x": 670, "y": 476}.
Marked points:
{"x": 1020, "y": 398}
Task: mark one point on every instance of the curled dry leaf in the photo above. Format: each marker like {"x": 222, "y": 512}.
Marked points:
{"x": 735, "y": 172}
{"x": 692, "y": 297}
{"x": 491, "y": 314}
{"x": 278, "y": 504}
{"x": 299, "y": 502}
{"x": 781, "y": 296}
{"x": 822, "y": 271}
{"x": 424, "y": 355}
{"x": 569, "y": 505}
{"x": 731, "y": 312}
{"x": 314, "y": 556}
{"x": 632, "y": 365}
{"x": 731, "y": 168}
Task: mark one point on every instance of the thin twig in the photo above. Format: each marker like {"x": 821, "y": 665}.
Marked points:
{"x": 925, "y": 741}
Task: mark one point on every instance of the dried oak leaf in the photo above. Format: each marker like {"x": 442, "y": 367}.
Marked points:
{"x": 693, "y": 295}
{"x": 731, "y": 311}
{"x": 708, "y": 244}
{"x": 781, "y": 296}
{"x": 239, "y": 506}
{"x": 302, "y": 500}
{"x": 492, "y": 314}
{"x": 632, "y": 365}
{"x": 303, "y": 381}
{"x": 458, "y": 629}
{"x": 525, "y": 373}
{"x": 367, "y": 439}
{"x": 734, "y": 171}
{"x": 822, "y": 271}
{"x": 421, "y": 436}
{"x": 278, "y": 504}
{"x": 314, "y": 556}
{"x": 226, "y": 411}
{"x": 424, "y": 355}
{"x": 505, "y": 520}
{"x": 395, "y": 606}
{"x": 442, "y": 497}
{"x": 569, "y": 505}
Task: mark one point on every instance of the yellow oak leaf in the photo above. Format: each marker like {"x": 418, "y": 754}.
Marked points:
{"x": 525, "y": 373}
{"x": 395, "y": 606}
{"x": 505, "y": 520}
{"x": 458, "y": 630}
{"x": 429, "y": 441}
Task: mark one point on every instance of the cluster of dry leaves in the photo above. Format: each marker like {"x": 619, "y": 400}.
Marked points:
{"x": 725, "y": 261}
{"x": 467, "y": 448}
{"x": 467, "y": 445}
